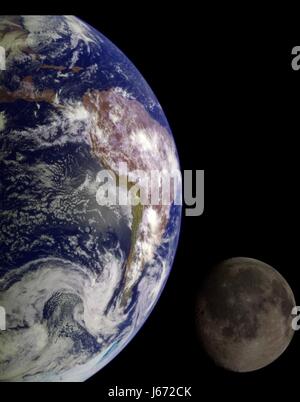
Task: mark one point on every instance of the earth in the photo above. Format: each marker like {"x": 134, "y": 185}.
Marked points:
{"x": 78, "y": 277}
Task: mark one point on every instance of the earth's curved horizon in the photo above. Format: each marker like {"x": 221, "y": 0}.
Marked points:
{"x": 78, "y": 279}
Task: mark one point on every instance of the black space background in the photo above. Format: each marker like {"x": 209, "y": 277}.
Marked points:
{"x": 225, "y": 82}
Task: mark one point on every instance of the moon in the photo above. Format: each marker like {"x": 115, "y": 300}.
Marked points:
{"x": 243, "y": 314}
